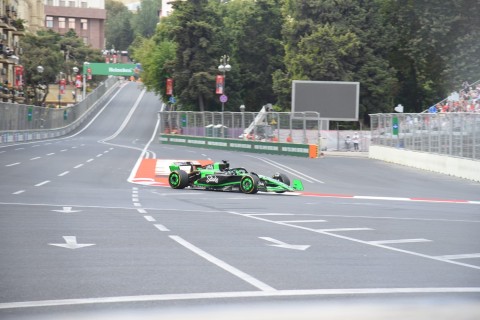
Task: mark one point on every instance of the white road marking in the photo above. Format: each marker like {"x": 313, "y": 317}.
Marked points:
{"x": 236, "y": 294}
{"x": 64, "y": 173}
{"x": 19, "y": 191}
{"x": 149, "y": 218}
{"x": 301, "y": 221}
{"x": 161, "y": 227}
{"x": 99, "y": 155}
{"x": 50, "y": 154}
{"x": 42, "y": 183}
{"x": 398, "y": 241}
{"x": 63, "y": 150}
{"x": 36, "y": 158}
{"x": 142, "y": 211}
{"x": 136, "y": 204}
{"x": 90, "y": 160}
{"x": 19, "y": 149}
{"x": 71, "y": 243}
{"x": 344, "y": 229}
{"x": 281, "y": 244}
{"x": 361, "y": 241}
{"x": 78, "y": 166}
{"x": 271, "y": 214}
{"x": 12, "y": 164}
{"x": 225, "y": 266}
{"x": 460, "y": 256}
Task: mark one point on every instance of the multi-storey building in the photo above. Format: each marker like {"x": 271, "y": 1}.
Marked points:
{"x": 85, "y": 17}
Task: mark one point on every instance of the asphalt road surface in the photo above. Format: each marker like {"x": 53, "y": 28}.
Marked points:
{"x": 81, "y": 237}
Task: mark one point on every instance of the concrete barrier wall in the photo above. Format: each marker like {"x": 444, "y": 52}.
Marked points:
{"x": 458, "y": 167}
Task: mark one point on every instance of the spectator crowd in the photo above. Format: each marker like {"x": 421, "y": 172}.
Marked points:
{"x": 467, "y": 100}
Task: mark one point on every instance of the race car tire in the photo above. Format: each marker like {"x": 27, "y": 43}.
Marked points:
{"x": 249, "y": 184}
{"x": 178, "y": 179}
{"x": 282, "y": 178}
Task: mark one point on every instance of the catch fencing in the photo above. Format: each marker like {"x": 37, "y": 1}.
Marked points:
{"x": 266, "y": 126}
{"x": 452, "y": 134}
{"x": 26, "y": 122}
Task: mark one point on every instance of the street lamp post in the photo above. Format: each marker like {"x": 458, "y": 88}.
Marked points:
{"x": 85, "y": 65}
{"x": 75, "y": 71}
{"x": 223, "y": 68}
{"x": 40, "y": 70}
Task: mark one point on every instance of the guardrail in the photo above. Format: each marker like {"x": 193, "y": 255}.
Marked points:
{"x": 20, "y": 123}
{"x": 451, "y": 134}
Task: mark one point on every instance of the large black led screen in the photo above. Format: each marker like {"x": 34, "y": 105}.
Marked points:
{"x": 334, "y": 100}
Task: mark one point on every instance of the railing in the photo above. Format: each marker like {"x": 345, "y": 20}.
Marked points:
{"x": 453, "y": 134}
{"x": 301, "y": 127}
{"x": 25, "y": 122}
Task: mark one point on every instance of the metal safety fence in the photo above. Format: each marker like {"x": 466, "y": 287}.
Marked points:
{"x": 20, "y": 122}
{"x": 452, "y": 134}
{"x": 268, "y": 126}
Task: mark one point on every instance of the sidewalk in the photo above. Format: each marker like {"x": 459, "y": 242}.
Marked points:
{"x": 351, "y": 154}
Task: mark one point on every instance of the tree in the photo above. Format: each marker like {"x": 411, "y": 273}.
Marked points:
{"x": 146, "y": 18}
{"x": 328, "y": 40}
{"x": 118, "y": 27}
{"x": 255, "y": 55}
{"x": 436, "y": 48}
{"x": 196, "y": 53}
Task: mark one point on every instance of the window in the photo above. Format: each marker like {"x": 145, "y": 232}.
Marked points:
{"x": 61, "y": 23}
{"x": 84, "y": 24}
{"x": 49, "y": 22}
{"x": 71, "y": 3}
{"x": 84, "y": 5}
{"x": 63, "y": 3}
{"x": 71, "y": 23}
{"x": 49, "y": 2}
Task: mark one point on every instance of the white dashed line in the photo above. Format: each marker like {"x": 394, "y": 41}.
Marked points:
{"x": 90, "y": 160}
{"x": 42, "y": 183}
{"x": 149, "y": 218}
{"x": 50, "y": 154}
{"x": 12, "y": 164}
{"x": 142, "y": 211}
{"x": 36, "y": 158}
{"x": 161, "y": 227}
{"x": 19, "y": 191}
{"x": 136, "y": 204}
{"x": 64, "y": 173}
{"x": 78, "y": 166}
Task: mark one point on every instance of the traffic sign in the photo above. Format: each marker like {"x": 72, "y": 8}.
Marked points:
{"x": 172, "y": 99}
{"x": 223, "y": 98}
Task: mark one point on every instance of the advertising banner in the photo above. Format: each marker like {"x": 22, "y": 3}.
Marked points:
{"x": 169, "y": 87}
{"x": 220, "y": 84}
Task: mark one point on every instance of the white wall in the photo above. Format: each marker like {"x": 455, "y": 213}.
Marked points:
{"x": 458, "y": 167}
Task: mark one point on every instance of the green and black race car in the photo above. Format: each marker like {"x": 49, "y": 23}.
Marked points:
{"x": 219, "y": 176}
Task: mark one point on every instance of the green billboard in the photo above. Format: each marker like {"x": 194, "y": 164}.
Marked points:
{"x": 111, "y": 69}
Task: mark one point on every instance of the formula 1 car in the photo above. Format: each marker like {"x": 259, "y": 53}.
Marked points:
{"x": 219, "y": 176}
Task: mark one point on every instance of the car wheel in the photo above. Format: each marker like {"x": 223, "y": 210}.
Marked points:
{"x": 249, "y": 184}
{"x": 178, "y": 179}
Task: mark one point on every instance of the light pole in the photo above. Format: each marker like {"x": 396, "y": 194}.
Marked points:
{"x": 40, "y": 70}
{"x": 85, "y": 65}
{"x": 242, "y": 110}
{"x": 223, "y": 68}
{"x": 75, "y": 71}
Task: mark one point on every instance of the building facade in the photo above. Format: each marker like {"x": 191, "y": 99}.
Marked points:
{"x": 85, "y": 17}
